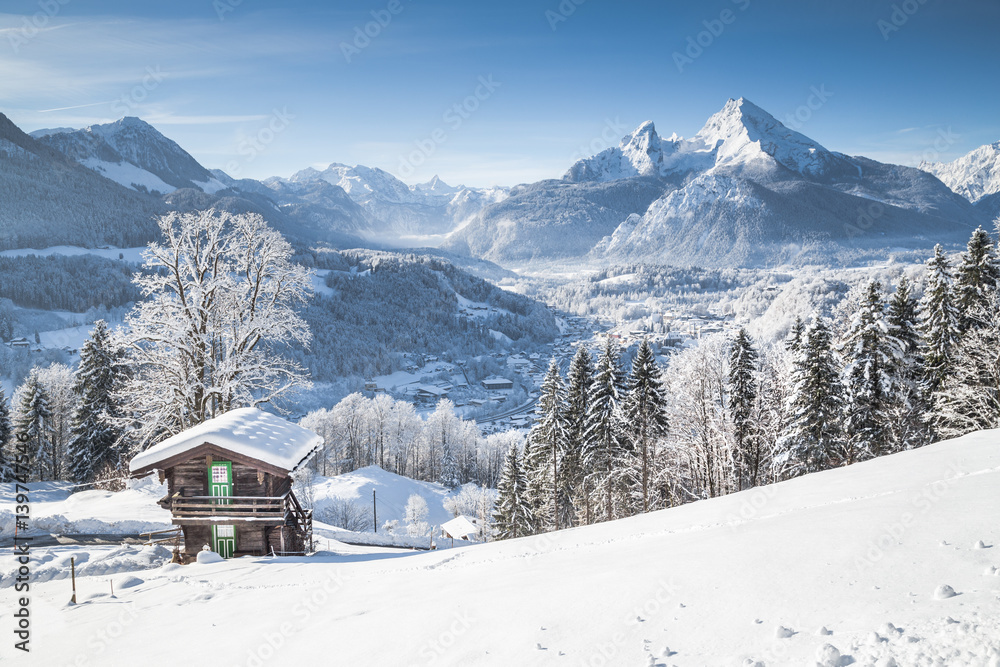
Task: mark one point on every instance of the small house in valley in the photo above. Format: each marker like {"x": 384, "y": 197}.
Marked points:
{"x": 460, "y": 528}
{"x": 229, "y": 484}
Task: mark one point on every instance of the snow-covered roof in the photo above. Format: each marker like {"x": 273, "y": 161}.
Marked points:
{"x": 246, "y": 431}
{"x": 461, "y": 526}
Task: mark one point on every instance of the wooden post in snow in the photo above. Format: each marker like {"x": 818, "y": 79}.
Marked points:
{"x": 72, "y": 570}
{"x": 374, "y": 512}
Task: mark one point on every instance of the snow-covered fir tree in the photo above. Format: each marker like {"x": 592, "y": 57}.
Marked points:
{"x": 774, "y": 388}
{"x": 6, "y": 435}
{"x": 93, "y": 445}
{"x": 869, "y": 354}
{"x": 968, "y": 399}
{"x": 793, "y": 343}
{"x": 814, "y": 433}
{"x": 57, "y": 381}
{"x": 743, "y": 394}
{"x": 221, "y": 296}
{"x": 548, "y": 437}
{"x": 645, "y": 410}
{"x": 604, "y": 436}
{"x": 512, "y": 517}
{"x": 976, "y": 277}
{"x": 908, "y": 403}
{"x": 33, "y": 417}
{"x": 939, "y": 323}
{"x": 578, "y": 380}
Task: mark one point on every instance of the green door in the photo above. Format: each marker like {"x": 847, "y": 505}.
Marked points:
{"x": 220, "y": 485}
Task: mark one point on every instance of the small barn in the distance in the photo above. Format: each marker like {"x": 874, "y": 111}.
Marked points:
{"x": 229, "y": 484}
{"x": 460, "y": 528}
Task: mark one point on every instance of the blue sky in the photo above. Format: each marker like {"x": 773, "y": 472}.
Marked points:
{"x": 269, "y": 89}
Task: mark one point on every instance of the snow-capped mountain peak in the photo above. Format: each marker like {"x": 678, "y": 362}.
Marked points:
{"x": 742, "y": 133}
{"x": 133, "y": 153}
{"x": 974, "y": 176}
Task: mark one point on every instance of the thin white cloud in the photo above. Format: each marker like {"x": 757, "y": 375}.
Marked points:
{"x": 78, "y": 106}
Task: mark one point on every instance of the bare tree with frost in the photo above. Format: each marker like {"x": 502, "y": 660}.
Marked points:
{"x": 220, "y": 299}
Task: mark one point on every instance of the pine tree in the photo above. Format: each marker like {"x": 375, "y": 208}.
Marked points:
{"x": 6, "y": 433}
{"x": 908, "y": 405}
{"x": 645, "y": 410}
{"x": 814, "y": 434}
{"x": 579, "y": 380}
{"x": 969, "y": 397}
{"x": 870, "y": 354}
{"x": 742, "y": 408}
{"x": 94, "y": 446}
{"x": 793, "y": 343}
{"x": 939, "y": 324}
{"x": 976, "y": 278}
{"x": 512, "y": 517}
{"x": 548, "y": 439}
{"x": 603, "y": 434}
{"x": 33, "y": 418}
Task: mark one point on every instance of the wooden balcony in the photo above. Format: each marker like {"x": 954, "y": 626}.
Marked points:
{"x": 261, "y": 510}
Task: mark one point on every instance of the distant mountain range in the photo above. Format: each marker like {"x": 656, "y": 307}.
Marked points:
{"x": 348, "y": 205}
{"x": 744, "y": 191}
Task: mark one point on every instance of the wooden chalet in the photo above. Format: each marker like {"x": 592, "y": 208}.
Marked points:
{"x": 229, "y": 484}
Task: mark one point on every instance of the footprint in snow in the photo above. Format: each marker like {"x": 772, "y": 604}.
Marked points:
{"x": 829, "y": 655}
{"x": 890, "y": 630}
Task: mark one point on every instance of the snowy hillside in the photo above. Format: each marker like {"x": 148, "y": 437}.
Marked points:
{"x": 49, "y": 199}
{"x": 974, "y": 175}
{"x": 391, "y": 493}
{"x": 133, "y": 153}
{"x": 888, "y": 562}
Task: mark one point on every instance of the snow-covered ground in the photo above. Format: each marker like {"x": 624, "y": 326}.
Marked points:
{"x": 133, "y": 255}
{"x": 841, "y": 567}
{"x": 56, "y": 509}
